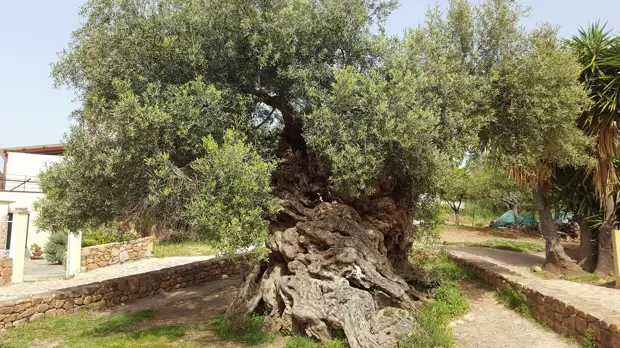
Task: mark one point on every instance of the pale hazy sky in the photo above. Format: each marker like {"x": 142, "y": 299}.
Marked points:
{"x": 32, "y": 112}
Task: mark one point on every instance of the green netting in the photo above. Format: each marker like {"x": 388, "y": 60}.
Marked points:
{"x": 508, "y": 219}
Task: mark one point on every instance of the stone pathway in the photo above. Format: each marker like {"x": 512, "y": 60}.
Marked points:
{"x": 35, "y": 270}
{"x": 126, "y": 269}
{"x": 490, "y": 325}
{"x": 599, "y": 301}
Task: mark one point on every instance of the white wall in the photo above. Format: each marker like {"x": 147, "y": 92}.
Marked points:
{"x": 26, "y": 200}
{"x": 25, "y": 164}
{"x": 21, "y": 166}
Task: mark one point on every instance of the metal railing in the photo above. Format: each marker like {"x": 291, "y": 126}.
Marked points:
{"x": 19, "y": 183}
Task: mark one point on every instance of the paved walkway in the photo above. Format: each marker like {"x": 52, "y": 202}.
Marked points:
{"x": 14, "y": 291}
{"x": 41, "y": 269}
{"x": 599, "y": 301}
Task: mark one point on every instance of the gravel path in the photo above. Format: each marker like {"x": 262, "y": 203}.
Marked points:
{"x": 490, "y": 325}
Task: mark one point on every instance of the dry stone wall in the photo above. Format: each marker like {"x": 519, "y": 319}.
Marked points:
{"x": 564, "y": 318}
{"x": 98, "y": 256}
{"x": 113, "y": 291}
{"x": 6, "y": 271}
{"x": 4, "y": 231}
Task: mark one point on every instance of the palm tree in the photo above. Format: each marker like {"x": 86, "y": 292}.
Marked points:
{"x": 598, "y": 50}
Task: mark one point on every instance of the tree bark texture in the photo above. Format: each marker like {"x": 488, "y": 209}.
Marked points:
{"x": 555, "y": 255}
{"x": 335, "y": 263}
{"x": 588, "y": 245}
{"x": 515, "y": 213}
{"x": 605, "y": 261}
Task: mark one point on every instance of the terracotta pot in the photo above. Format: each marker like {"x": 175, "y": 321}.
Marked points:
{"x": 36, "y": 255}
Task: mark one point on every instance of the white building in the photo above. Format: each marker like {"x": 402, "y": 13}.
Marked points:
{"x": 19, "y": 186}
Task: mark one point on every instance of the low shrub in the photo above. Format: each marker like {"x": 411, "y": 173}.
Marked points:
{"x": 107, "y": 233}
{"x": 588, "y": 340}
{"x": 55, "y": 249}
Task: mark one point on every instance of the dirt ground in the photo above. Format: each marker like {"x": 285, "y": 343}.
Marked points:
{"x": 193, "y": 305}
{"x": 489, "y": 324}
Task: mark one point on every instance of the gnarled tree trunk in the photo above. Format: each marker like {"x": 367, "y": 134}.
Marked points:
{"x": 555, "y": 255}
{"x": 335, "y": 263}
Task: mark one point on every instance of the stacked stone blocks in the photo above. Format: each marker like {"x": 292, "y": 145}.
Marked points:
{"x": 113, "y": 292}
{"x": 6, "y": 270}
{"x": 98, "y": 256}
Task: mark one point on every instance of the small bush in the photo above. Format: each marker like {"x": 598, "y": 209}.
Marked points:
{"x": 55, "y": 248}
{"x": 588, "y": 340}
{"x": 515, "y": 299}
{"x": 107, "y": 233}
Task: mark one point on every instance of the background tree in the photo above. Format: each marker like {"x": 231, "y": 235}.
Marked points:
{"x": 598, "y": 51}
{"x": 539, "y": 89}
{"x": 456, "y": 188}
{"x": 495, "y": 188}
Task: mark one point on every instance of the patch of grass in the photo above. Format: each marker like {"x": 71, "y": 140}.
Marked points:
{"x": 520, "y": 246}
{"x": 450, "y": 301}
{"x": 307, "y": 342}
{"x": 513, "y": 298}
{"x": 585, "y": 278}
{"x": 86, "y": 330}
{"x": 388, "y": 312}
{"x": 439, "y": 268}
{"x": 432, "y": 319}
{"x": 250, "y": 332}
{"x": 188, "y": 248}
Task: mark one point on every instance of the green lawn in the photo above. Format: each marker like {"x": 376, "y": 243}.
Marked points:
{"x": 166, "y": 249}
{"x": 89, "y": 330}
{"x": 137, "y": 329}
{"x": 521, "y": 246}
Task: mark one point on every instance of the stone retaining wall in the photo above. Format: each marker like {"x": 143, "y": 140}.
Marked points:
{"x": 6, "y": 271}
{"x": 97, "y": 256}
{"x": 564, "y": 318}
{"x": 113, "y": 291}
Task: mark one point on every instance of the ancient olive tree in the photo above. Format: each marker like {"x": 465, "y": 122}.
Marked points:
{"x": 285, "y": 123}
{"x": 291, "y": 124}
